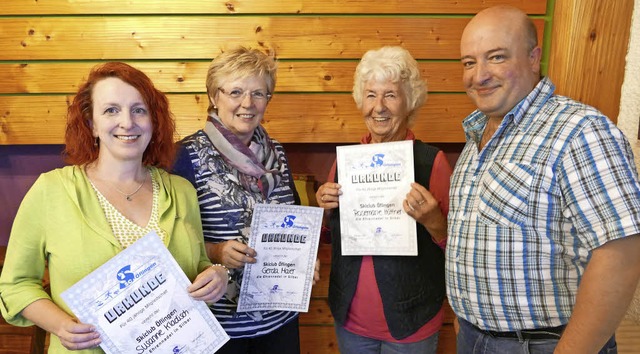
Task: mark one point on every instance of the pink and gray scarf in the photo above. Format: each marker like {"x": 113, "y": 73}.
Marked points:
{"x": 256, "y": 166}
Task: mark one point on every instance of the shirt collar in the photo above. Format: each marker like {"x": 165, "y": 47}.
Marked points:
{"x": 521, "y": 114}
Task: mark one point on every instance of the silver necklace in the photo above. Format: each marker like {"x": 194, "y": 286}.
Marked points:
{"x": 129, "y": 195}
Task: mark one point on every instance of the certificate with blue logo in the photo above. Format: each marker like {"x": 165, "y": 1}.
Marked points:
{"x": 139, "y": 303}
{"x": 375, "y": 179}
{"x": 286, "y": 239}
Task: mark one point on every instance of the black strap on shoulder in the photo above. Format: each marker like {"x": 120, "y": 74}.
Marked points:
{"x": 423, "y": 155}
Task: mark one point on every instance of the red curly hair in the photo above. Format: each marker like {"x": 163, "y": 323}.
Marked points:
{"x": 80, "y": 147}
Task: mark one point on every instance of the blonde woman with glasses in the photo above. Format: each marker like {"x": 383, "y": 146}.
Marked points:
{"x": 234, "y": 164}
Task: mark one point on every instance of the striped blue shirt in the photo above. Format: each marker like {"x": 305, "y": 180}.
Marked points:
{"x": 226, "y": 209}
{"x": 555, "y": 181}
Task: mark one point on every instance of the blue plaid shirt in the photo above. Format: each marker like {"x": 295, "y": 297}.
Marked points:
{"x": 555, "y": 181}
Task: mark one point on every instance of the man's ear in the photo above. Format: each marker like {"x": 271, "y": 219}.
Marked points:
{"x": 534, "y": 59}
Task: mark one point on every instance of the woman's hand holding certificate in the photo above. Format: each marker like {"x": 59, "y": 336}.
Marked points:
{"x": 285, "y": 238}
{"x": 374, "y": 180}
{"x": 139, "y": 302}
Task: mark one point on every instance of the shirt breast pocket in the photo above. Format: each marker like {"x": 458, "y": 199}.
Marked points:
{"x": 505, "y": 194}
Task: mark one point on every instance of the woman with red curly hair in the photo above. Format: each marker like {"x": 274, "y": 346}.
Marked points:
{"x": 119, "y": 136}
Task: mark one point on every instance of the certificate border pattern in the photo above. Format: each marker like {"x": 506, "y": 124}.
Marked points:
{"x": 258, "y": 213}
{"x": 149, "y": 246}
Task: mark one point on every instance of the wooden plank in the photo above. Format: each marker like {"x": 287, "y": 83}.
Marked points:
{"x": 19, "y": 340}
{"x": 627, "y": 337}
{"x": 3, "y": 253}
{"x": 305, "y": 187}
{"x": 39, "y": 119}
{"x": 7, "y": 329}
{"x": 324, "y": 253}
{"x": 203, "y": 37}
{"x": 334, "y": 118}
{"x": 447, "y": 340}
{"x": 587, "y": 59}
{"x": 321, "y": 289}
{"x": 52, "y": 7}
{"x": 449, "y": 316}
{"x": 14, "y": 344}
{"x": 318, "y": 340}
{"x": 289, "y": 118}
{"x": 319, "y": 313}
{"x": 179, "y": 77}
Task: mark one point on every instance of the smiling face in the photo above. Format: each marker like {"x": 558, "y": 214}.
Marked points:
{"x": 500, "y": 68}
{"x": 384, "y": 110}
{"x": 242, "y": 115}
{"x": 121, "y": 121}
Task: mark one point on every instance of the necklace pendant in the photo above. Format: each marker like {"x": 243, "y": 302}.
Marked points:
{"x": 129, "y": 198}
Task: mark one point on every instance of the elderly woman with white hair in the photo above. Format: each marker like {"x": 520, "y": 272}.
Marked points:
{"x": 392, "y": 304}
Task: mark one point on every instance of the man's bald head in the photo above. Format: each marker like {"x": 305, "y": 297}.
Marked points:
{"x": 512, "y": 17}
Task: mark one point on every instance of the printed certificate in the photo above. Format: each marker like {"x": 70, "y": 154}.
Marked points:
{"x": 375, "y": 180}
{"x": 139, "y": 304}
{"x": 286, "y": 239}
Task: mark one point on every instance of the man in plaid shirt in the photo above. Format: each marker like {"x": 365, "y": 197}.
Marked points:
{"x": 543, "y": 253}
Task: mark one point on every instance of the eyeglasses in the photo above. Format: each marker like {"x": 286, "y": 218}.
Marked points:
{"x": 257, "y": 95}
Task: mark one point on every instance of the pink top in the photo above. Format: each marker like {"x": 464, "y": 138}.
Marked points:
{"x": 366, "y": 315}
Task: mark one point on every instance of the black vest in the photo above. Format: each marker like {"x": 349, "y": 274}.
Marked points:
{"x": 412, "y": 287}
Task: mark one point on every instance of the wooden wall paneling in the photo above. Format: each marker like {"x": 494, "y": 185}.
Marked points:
{"x": 332, "y": 118}
{"x": 40, "y": 119}
{"x": 447, "y": 339}
{"x": 32, "y": 119}
{"x": 145, "y": 38}
{"x": 588, "y": 49}
{"x": 202, "y": 37}
{"x": 321, "y": 289}
{"x": 316, "y": 339}
{"x": 179, "y": 77}
{"x": 319, "y": 312}
{"x": 14, "y": 344}
{"x": 628, "y": 337}
{"x": 53, "y": 7}
{"x": 21, "y": 340}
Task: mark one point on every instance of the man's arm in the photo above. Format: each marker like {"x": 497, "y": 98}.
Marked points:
{"x": 605, "y": 292}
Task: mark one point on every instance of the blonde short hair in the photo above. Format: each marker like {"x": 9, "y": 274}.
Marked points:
{"x": 239, "y": 63}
